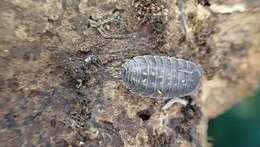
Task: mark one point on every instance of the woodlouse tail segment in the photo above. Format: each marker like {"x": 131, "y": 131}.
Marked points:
{"x": 173, "y": 101}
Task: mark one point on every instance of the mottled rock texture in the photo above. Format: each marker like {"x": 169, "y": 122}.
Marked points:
{"x": 50, "y": 96}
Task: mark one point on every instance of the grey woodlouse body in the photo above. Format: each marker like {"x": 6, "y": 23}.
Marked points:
{"x": 161, "y": 76}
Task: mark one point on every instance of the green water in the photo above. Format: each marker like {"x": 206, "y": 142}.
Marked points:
{"x": 238, "y": 127}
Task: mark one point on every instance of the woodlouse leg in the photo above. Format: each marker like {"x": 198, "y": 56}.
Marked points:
{"x": 173, "y": 101}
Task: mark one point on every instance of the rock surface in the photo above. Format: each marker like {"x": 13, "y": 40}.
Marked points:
{"x": 59, "y": 83}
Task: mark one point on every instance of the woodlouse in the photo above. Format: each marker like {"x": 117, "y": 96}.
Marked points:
{"x": 161, "y": 76}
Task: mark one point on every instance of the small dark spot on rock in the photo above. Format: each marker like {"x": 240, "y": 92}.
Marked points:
{"x": 144, "y": 115}
{"x": 53, "y": 123}
{"x": 50, "y": 20}
{"x": 204, "y": 2}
